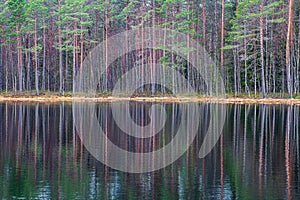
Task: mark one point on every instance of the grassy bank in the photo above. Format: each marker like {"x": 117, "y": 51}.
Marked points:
{"x": 68, "y": 97}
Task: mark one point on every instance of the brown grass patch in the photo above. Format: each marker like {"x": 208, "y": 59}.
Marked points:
{"x": 56, "y": 98}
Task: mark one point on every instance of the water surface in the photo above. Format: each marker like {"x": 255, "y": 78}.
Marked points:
{"x": 257, "y": 156}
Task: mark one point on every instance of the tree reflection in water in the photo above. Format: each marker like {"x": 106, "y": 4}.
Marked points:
{"x": 257, "y": 155}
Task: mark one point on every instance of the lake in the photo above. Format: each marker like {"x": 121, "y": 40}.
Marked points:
{"x": 256, "y": 157}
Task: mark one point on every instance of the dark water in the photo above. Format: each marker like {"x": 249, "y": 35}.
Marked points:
{"x": 257, "y": 156}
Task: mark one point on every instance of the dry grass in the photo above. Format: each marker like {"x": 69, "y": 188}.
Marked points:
{"x": 231, "y": 100}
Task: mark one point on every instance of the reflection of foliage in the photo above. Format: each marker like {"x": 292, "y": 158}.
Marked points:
{"x": 233, "y": 169}
{"x": 55, "y": 165}
{"x": 234, "y": 172}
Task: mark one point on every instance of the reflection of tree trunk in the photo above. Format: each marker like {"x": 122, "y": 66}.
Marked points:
{"x": 272, "y": 136}
{"x": 234, "y": 127}
{"x": 74, "y": 146}
{"x": 67, "y": 115}
{"x": 254, "y": 137}
{"x": 245, "y": 138}
{"x": 20, "y": 141}
{"x": 60, "y": 128}
{"x": 296, "y": 133}
{"x": 261, "y": 144}
{"x": 44, "y": 140}
{"x": 221, "y": 166}
{"x": 36, "y": 139}
{"x": 288, "y": 165}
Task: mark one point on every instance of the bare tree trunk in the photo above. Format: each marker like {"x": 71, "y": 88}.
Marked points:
{"x": 172, "y": 53}
{"x": 238, "y": 72}
{"x": 19, "y": 50}
{"x": 188, "y": 46}
{"x": 298, "y": 57}
{"x": 235, "y": 71}
{"x": 222, "y": 40}
{"x": 66, "y": 80}
{"x": 36, "y": 60}
{"x": 272, "y": 65}
{"x": 44, "y": 58}
{"x": 288, "y": 53}
{"x": 267, "y": 73}
{"x": 255, "y": 71}
{"x": 74, "y": 59}
{"x": 3, "y": 52}
{"x": 60, "y": 53}
{"x": 50, "y": 62}
{"x": 204, "y": 38}
{"x": 245, "y": 62}
{"x": 106, "y": 43}
{"x": 6, "y": 71}
{"x": 261, "y": 141}
{"x": 153, "y": 51}
{"x": 28, "y": 58}
{"x": 261, "y": 32}
{"x": 81, "y": 49}
{"x": 143, "y": 44}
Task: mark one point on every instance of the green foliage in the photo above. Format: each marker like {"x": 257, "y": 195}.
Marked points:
{"x": 87, "y": 19}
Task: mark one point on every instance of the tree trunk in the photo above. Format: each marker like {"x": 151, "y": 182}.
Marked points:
{"x": 288, "y": 53}
{"x": 106, "y": 44}
{"x": 60, "y": 53}
{"x": 153, "y": 51}
{"x": 222, "y": 40}
{"x": 81, "y": 49}
{"x": 245, "y": 62}
{"x": 19, "y": 46}
{"x": 74, "y": 57}
{"x": 204, "y": 40}
{"x": 261, "y": 33}
{"x": 66, "y": 80}
{"x": 36, "y": 60}
{"x": 28, "y": 58}
{"x": 44, "y": 58}
{"x": 255, "y": 70}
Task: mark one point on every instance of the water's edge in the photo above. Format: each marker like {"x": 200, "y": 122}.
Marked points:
{"x": 232, "y": 100}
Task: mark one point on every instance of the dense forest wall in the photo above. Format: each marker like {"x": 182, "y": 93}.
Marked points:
{"x": 255, "y": 43}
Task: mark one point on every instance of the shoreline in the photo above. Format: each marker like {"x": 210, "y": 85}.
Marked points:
{"x": 227, "y": 100}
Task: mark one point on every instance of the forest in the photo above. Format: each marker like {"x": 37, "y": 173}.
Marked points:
{"x": 255, "y": 43}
